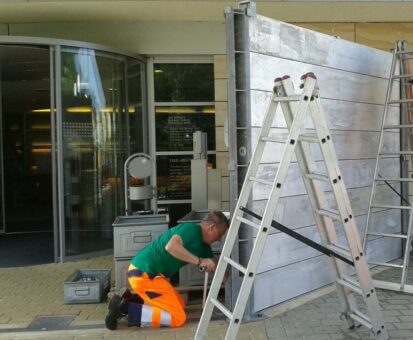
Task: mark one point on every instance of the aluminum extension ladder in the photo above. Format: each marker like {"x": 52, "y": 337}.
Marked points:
{"x": 295, "y": 109}
{"x": 402, "y": 58}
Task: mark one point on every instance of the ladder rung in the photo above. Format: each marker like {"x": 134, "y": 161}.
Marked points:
{"x": 319, "y": 177}
{"x": 401, "y": 126}
{"x": 261, "y": 181}
{"x": 385, "y": 206}
{"x": 385, "y": 264}
{"x": 387, "y": 235}
{"x": 309, "y": 138}
{"x": 399, "y": 76}
{"x": 392, "y": 153}
{"x": 398, "y": 51}
{"x": 275, "y": 139}
{"x": 401, "y": 101}
{"x": 250, "y": 223}
{"x": 334, "y": 214}
{"x": 382, "y": 179}
{"x": 235, "y": 264}
{"x": 404, "y": 52}
{"x": 361, "y": 318}
{"x": 345, "y": 252}
{"x": 393, "y": 286}
{"x": 293, "y": 98}
{"x": 221, "y": 307}
{"x": 350, "y": 284}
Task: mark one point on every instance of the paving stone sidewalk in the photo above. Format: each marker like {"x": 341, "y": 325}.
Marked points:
{"x": 38, "y": 291}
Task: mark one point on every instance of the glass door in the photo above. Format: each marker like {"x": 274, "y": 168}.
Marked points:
{"x": 69, "y": 118}
{"x": 95, "y": 143}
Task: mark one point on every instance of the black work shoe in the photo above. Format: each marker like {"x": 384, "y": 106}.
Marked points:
{"x": 114, "y": 313}
{"x": 126, "y": 294}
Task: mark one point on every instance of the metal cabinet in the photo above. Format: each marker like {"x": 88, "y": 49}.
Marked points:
{"x": 130, "y": 235}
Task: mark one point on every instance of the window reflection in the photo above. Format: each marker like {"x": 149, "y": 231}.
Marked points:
{"x": 184, "y": 82}
{"x": 174, "y": 176}
{"x": 102, "y": 122}
{"x": 94, "y": 147}
{"x": 184, "y": 96}
{"x": 175, "y": 126}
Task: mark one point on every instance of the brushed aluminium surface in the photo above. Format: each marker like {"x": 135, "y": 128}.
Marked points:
{"x": 275, "y": 38}
{"x": 353, "y": 83}
{"x": 340, "y": 114}
{"x": 287, "y": 250}
{"x": 288, "y": 281}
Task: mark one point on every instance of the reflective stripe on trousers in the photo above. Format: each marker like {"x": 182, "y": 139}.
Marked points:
{"x": 163, "y": 306}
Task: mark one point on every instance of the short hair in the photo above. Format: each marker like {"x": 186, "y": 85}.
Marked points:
{"x": 216, "y": 217}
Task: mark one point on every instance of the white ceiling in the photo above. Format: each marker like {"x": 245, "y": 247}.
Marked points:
{"x": 19, "y": 11}
{"x": 34, "y": 11}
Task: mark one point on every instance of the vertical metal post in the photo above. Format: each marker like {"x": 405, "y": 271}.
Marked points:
{"x": 52, "y": 77}
{"x": 239, "y": 128}
{"x": 151, "y": 125}
{"x": 232, "y": 288}
{"x": 3, "y": 206}
{"x": 60, "y": 155}
{"x": 145, "y": 111}
{"x": 126, "y": 98}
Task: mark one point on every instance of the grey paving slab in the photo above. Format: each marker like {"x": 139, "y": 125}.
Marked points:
{"x": 317, "y": 318}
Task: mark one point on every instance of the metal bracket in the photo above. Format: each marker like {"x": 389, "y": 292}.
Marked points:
{"x": 249, "y": 6}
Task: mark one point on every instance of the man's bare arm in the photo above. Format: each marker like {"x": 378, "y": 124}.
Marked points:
{"x": 176, "y": 248}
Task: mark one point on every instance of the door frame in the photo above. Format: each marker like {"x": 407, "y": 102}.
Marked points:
{"x": 55, "y": 48}
{"x": 2, "y": 206}
{"x": 57, "y": 154}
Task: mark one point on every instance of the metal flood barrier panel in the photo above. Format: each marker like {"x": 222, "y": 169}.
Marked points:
{"x": 353, "y": 81}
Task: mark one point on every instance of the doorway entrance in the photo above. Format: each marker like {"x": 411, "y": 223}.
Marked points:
{"x": 70, "y": 115}
{"x": 26, "y": 140}
{"x": 26, "y": 160}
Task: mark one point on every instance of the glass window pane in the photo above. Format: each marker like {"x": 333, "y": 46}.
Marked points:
{"x": 137, "y": 120}
{"x": 176, "y": 212}
{"x": 177, "y": 88}
{"x": 175, "y": 126}
{"x": 94, "y": 147}
{"x": 174, "y": 177}
{"x": 184, "y": 82}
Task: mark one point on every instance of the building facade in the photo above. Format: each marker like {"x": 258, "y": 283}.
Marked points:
{"x": 117, "y": 77}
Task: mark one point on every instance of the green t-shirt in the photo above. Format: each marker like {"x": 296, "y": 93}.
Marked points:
{"x": 155, "y": 259}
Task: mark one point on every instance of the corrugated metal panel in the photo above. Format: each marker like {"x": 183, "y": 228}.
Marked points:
{"x": 283, "y": 250}
{"x": 353, "y": 83}
{"x": 279, "y": 39}
{"x": 284, "y": 283}
{"x": 295, "y": 211}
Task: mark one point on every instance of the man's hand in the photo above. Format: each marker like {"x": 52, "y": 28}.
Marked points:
{"x": 207, "y": 265}
{"x": 176, "y": 248}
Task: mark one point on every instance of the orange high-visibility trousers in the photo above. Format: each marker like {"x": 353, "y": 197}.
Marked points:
{"x": 158, "y": 293}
